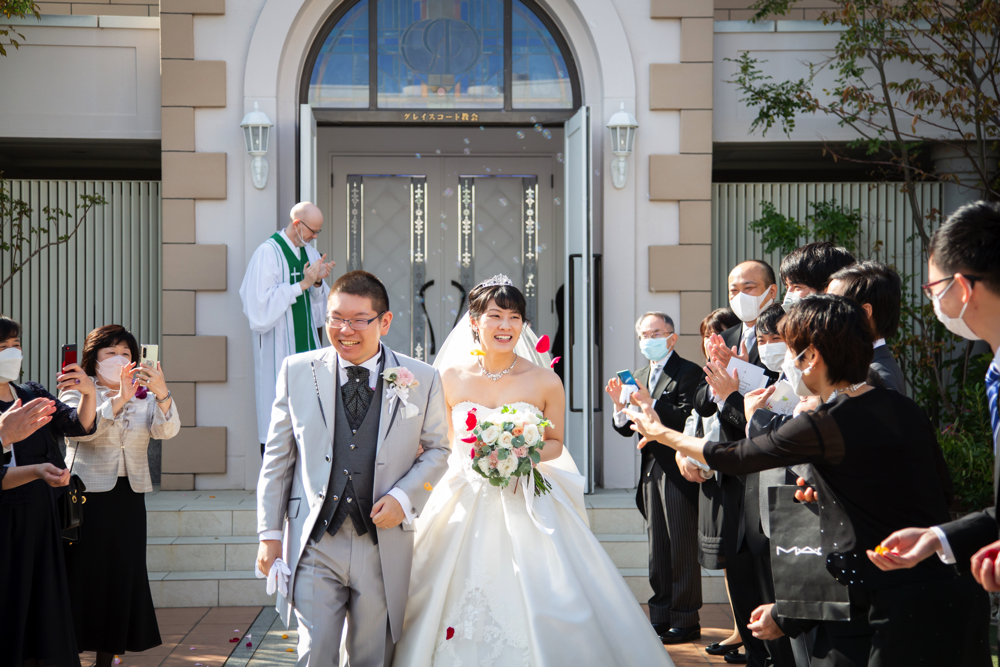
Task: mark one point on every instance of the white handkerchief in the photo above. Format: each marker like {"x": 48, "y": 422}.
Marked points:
{"x": 627, "y": 390}
{"x": 277, "y": 578}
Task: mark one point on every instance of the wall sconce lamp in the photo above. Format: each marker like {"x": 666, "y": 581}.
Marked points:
{"x": 256, "y": 128}
{"x": 622, "y": 126}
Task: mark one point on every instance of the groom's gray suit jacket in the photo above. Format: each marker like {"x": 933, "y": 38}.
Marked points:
{"x": 299, "y": 456}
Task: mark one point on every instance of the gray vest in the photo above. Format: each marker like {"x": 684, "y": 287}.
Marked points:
{"x": 352, "y": 476}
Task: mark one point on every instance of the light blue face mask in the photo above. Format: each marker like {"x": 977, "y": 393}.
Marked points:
{"x": 654, "y": 349}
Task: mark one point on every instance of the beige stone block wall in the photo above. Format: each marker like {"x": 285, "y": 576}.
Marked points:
{"x": 740, "y": 10}
{"x": 189, "y": 267}
{"x": 106, "y": 8}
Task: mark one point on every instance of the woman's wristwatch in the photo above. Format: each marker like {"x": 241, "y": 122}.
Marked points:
{"x": 165, "y": 398}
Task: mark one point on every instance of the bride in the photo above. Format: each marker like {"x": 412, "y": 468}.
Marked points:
{"x": 494, "y": 582}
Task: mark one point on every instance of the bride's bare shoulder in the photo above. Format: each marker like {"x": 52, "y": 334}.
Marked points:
{"x": 546, "y": 377}
{"x": 458, "y": 372}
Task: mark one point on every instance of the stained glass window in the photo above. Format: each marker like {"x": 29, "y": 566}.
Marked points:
{"x": 539, "y": 76}
{"x": 442, "y": 54}
{"x": 340, "y": 75}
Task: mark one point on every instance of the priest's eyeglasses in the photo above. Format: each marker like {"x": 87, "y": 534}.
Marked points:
{"x": 357, "y": 325}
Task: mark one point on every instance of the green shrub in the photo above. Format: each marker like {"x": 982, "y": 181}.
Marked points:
{"x": 967, "y": 445}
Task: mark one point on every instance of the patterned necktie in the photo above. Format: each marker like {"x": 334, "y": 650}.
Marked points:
{"x": 992, "y": 389}
{"x": 357, "y": 395}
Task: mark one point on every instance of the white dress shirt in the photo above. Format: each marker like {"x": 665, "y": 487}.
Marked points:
{"x": 397, "y": 493}
{"x": 655, "y": 371}
{"x": 878, "y": 343}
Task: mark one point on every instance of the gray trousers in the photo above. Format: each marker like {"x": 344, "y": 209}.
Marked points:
{"x": 341, "y": 577}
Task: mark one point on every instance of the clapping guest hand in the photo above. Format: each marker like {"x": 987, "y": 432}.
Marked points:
{"x": 756, "y": 400}
{"x": 689, "y": 471}
{"x": 722, "y": 353}
{"x": 807, "y": 404}
{"x": 645, "y": 421}
{"x": 762, "y": 625}
{"x": 905, "y": 548}
{"x": 614, "y": 390}
{"x": 719, "y": 379}
{"x": 314, "y": 272}
{"x": 986, "y": 567}
{"x": 20, "y": 421}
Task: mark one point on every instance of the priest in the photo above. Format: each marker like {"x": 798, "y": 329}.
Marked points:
{"x": 284, "y": 297}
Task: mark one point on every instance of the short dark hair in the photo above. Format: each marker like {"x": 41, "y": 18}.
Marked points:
{"x": 768, "y": 320}
{"x": 363, "y": 284}
{"x": 768, "y": 270}
{"x": 507, "y": 297}
{"x": 880, "y": 287}
{"x": 813, "y": 264}
{"x": 102, "y": 337}
{"x": 9, "y": 328}
{"x": 839, "y": 330}
{"x": 969, "y": 242}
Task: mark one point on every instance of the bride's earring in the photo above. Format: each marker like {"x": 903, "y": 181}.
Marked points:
{"x": 475, "y": 334}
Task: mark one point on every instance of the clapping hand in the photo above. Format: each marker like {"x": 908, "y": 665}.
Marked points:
{"x": 756, "y": 400}
{"x": 645, "y": 422}
{"x": 719, "y": 379}
{"x": 721, "y": 352}
{"x": 20, "y": 421}
{"x": 986, "y": 567}
{"x": 905, "y": 548}
{"x": 315, "y": 272}
{"x": 614, "y": 390}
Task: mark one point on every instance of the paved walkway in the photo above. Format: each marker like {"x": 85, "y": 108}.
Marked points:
{"x": 200, "y": 637}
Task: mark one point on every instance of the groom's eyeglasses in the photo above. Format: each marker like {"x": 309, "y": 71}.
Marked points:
{"x": 357, "y": 325}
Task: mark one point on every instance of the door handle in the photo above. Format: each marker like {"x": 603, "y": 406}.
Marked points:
{"x": 423, "y": 306}
{"x": 461, "y": 304}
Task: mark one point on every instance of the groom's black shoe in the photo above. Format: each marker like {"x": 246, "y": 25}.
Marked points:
{"x": 681, "y": 635}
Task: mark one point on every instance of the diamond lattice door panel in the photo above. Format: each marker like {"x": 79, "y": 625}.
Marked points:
{"x": 498, "y": 229}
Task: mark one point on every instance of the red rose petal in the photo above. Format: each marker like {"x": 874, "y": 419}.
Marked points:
{"x": 471, "y": 439}
{"x": 555, "y": 361}
{"x": 234, "y": 640}
{"x": 473, "y": 453}
{"x": 450, "y": 633}
{"x": 470, "y": 419}
{"x": 542, "y": 346}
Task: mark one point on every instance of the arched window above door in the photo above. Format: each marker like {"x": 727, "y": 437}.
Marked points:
{"x": 485, "y": 55}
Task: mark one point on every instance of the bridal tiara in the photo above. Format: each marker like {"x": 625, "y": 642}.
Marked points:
{"x": 498, "y": 279}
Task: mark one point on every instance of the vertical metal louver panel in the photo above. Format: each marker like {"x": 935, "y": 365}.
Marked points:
{"x": 887, "y": 231}
{"x": 107, "y": 273}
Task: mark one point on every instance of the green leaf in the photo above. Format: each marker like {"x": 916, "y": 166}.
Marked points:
{"x": 536, "y": 457}
{"x": 502, "y": 454}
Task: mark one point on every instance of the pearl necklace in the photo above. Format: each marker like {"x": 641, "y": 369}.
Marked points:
{"x": 496, "y": 376}
{"x": 837, "y": 392}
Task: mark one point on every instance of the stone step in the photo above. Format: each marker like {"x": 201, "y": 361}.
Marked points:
{"x": 196, "y": 554}
{"x": 626, "y": 551}
{"x": 209, "y": 588}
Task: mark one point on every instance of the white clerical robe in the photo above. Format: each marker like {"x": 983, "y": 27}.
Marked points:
{"x": 268, "y": 293}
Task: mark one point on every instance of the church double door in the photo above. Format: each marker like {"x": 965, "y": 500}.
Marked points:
{"x": 431, "y": 228}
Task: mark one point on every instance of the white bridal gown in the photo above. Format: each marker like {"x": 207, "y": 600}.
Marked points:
{"x": 505, "y": 592}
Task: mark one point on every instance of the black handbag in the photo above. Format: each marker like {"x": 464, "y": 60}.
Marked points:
{"x": 71, "y": 504}
{"x": 803, "y": 587}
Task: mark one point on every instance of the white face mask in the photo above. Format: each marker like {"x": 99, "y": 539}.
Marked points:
{"x": 747, "y": 306}
{"x": 110, "y": 369}
{"x": 956, "y": 325}
{"x": 10, "y": 364}
{"x": 791, "y": 298}
{"x": 794, "y": 375}
{"x": 773, "y": 355}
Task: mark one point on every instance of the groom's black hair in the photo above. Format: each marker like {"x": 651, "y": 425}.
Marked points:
{"x": 363, "y": 284}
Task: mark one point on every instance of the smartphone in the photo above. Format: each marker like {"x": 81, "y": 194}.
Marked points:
{"x": 68, "y": 355}
{"x": 149, "y": 355}
{"x": 626, "y": 378}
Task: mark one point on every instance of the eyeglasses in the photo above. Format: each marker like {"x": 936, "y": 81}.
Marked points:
{"x": 358, "y": 324}
{"x": 315, "y": 233}
{"x": 656, "y": 335}
{"x": 929, "y": 293}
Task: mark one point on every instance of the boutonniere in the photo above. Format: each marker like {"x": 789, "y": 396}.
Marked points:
{"x": 399, "y": 381}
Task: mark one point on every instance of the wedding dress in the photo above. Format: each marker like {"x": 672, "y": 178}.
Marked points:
{"x": 490, "y": 589}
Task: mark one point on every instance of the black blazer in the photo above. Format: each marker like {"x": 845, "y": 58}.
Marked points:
{"x": 887, "y": 369}
{"x": 674, "y": 392}
{"x": 972, "y": 532}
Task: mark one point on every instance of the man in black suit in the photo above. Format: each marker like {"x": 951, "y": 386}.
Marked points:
{"x": 668, "y": 502}
{"x": 752, "y": 288}
{"x": 879, "y": 290}
{"x": 964, "y": 272}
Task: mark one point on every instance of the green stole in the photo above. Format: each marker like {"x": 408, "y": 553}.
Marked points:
{"x": 302, "y": 309}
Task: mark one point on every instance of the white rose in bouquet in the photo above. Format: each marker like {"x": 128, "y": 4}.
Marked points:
{"x": 507, "y": 466}
{"x": 531, "y": 434}
{"x": 519, "y": 419}
{"x": 532, "y": 419}
{"x": 490, "y": 435}
{"x": 505, "y": 440}
{"x": 484, "y": 465}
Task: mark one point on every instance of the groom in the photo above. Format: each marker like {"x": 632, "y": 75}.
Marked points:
{"x": 341, "y": 477}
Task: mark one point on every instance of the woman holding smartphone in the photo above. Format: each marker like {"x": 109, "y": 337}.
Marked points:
{"x": 34, "y": 597}
{"x": 109, "y": 587}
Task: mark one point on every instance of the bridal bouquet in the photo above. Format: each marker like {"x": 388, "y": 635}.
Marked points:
{"x": 507, "y": 444}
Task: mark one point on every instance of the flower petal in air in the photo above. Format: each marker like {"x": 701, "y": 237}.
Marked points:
{"x": 450, "y": 633}
{"x": 471, "y": 439}
{"x": 470, "y": 420}
{"x": 473, "y": 453}
{"x": 542, "y": 346}
{"x": 478, "y": 353}
{"x": 555, "y": 361}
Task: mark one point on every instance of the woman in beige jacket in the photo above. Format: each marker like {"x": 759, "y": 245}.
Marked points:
{"x": 109, "y": 587}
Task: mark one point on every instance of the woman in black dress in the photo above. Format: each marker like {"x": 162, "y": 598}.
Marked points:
{"x": 109, "y": 586}
{"x": 877, "y": 469}
{"x": 34, "y": 598}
